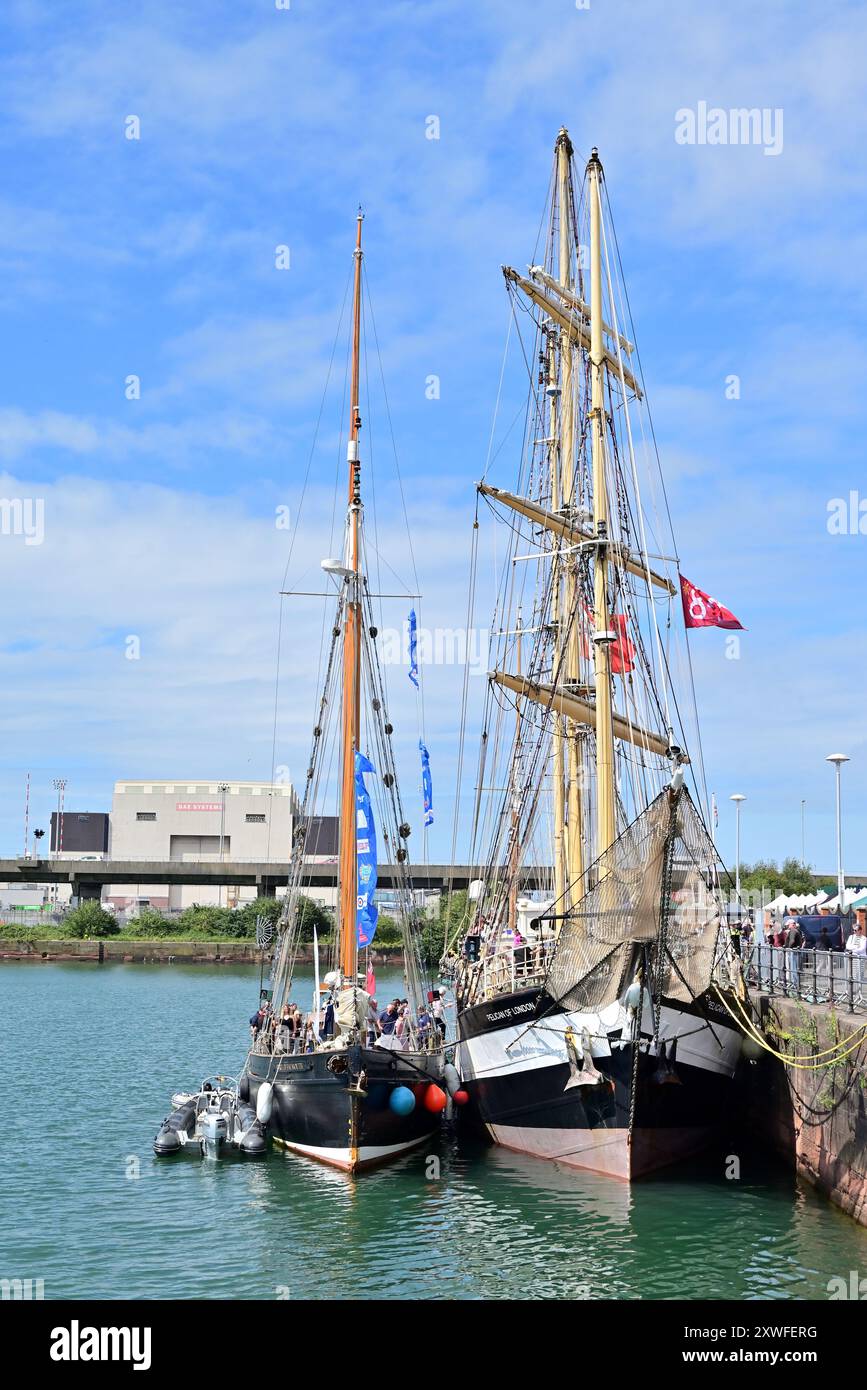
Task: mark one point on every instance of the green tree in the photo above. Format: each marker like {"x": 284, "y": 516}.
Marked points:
{"x": 389, "y": 932}
{"x": 792, "y": 878}
{"x": 244, "y": 918}
{"x": 89, "y": 919}
{"x": 444, "y": 927}
{"x": 312, "y": 915}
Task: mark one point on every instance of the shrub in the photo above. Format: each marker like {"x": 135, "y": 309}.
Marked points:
{"x": 388, "y": 932}
{"x": 150, "y": 924}
{"x": 89, "y": 919}
{"x": 198, "y": 921}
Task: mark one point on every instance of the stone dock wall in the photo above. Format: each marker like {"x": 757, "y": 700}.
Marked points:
{"x": 162, "y": 952}
{"x": 813, "y": 1113}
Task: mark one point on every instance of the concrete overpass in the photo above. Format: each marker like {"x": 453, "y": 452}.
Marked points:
{"x": 88, "y": 877}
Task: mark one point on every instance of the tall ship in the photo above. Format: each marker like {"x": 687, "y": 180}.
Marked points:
{"x": 595, "y": 958}
{"x": 341, "y": 1100}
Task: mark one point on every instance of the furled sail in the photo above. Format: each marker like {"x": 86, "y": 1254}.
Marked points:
{"x": 655, "y": 889}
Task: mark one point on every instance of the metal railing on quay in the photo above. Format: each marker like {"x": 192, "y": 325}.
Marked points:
{"x": 814, "y": 977}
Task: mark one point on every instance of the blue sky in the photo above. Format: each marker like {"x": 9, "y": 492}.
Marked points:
{"x": 262, "y": 127}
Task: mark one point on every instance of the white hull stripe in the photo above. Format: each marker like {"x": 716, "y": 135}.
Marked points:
{"x": 543, "y": 1044}
{"x": 342, "y": 1158}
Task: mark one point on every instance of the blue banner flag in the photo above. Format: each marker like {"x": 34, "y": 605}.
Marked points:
{"x": 426, "y": 784}
{"x": 365, "y": 854}
{"x": 413, "y": 658}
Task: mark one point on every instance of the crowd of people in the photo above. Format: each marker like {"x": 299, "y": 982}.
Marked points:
{"x": 804, "y": 947}
{"x": 788, "y": 932}
{"x": 393, "y": 1028}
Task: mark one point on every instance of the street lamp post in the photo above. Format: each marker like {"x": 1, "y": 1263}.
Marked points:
{"x": 60, "y": 788}
{"x": 223, "y": 788}
{"x": 838, "y": 759}
{"x": 737, "y": 798}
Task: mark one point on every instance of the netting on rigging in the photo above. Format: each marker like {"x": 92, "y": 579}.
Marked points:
{"x": 656, "y": 888}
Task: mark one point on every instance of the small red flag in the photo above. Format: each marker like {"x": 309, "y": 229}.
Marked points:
{"x": 700, "y": 610}
{"x": 622, "y": 651}
{"x": 370, "y": 981}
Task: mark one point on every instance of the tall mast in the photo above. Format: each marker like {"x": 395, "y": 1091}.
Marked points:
{"x": 351, "y": 692}
{"x": 516, "y": 806}
{"x": 569, "y": 615}
{"x": 605, "y": 800}
{"x": 558, "y": 744}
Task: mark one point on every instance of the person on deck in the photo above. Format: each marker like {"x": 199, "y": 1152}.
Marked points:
{"x": 373, "y": 1028}
{"x": 284, "y": 1029}
{"x": 259, "y": 1019}
{"x": 402, "y": 1027}
{"x": 438, "y": 1009}
{"x": 423, "y": 1026}
{"x": 387, "y": 1024}
{"x": 297, "y": 1028}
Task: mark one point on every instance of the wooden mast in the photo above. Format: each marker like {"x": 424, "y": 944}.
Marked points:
{"x": 516, "y": 813}
{"x": 351, "y": 692}
{"x": 605, "y": 800}
{"x": 571, "y": 662}
{"x": 556, "y": 621}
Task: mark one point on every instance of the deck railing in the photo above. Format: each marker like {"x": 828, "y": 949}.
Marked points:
{"x": 506, "y": 971}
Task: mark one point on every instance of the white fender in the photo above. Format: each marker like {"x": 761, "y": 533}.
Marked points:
{"x": 264, "y": 1102}
{"x": 451, "y": 1077}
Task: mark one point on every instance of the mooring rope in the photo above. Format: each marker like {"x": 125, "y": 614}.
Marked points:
{"x": 809, "y": 1062}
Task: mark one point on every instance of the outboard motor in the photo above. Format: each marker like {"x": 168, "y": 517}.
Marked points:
{"x": 181, "y": 1121}
{"x": 214, "y": 1130}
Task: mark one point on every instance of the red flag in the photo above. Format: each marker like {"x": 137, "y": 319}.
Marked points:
{"x": 700, "y": 610}
{"x": 370, "y": 981}
{"x": 622, "y": 651}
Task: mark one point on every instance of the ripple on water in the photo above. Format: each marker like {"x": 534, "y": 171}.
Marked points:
{"x": 494, "y": 1225}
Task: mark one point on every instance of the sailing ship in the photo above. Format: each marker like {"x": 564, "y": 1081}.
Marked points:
{"x": 592, "y": 1020}
{"x": 344, "y": 1102}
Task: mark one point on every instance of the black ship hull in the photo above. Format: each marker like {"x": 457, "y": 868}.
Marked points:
{"x": 334, "y": 1106}
{"x": 644, "y": 1114}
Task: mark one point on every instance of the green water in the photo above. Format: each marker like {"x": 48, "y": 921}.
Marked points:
{"x": 91, "y": 1054}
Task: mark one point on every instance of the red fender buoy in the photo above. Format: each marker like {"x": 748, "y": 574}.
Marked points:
{"x": 435, "y": 1099}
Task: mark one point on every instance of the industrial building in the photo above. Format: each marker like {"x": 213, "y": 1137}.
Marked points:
{"x": 177, "y": 820}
